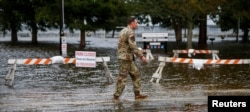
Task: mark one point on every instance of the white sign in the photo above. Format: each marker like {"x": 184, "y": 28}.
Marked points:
{"x": 154, "y": 43}
{"x": 85, "y": 59}
{"x": 64, "y": 46}
{"x": 154, "y": 34}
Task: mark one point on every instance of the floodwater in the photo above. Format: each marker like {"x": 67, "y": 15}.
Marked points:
{"x": 68, "y": 88}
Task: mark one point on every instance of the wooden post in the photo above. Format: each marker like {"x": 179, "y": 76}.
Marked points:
{"x": 10, "y": 76}
{"x": 108, "y": 74}
{"x": 158, "y": 73}
{"x": 149, "y": 55}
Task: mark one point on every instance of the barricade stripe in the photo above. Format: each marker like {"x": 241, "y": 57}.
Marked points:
{"x": 69, "y": 60}
{"x": 72, "y": 60}
{"x": 206, "y": 61}
{"x": 236, "y": 61}
{"x": 27, "y": 61}
{"x": 209, "y": 61}
{"x": 211, "y": 52}
{"x": 66, "y": 60}
{"x": 199, "y": 51}
{"x": 190, "y": 61}
{"x": 207, "y": 51}
{"x": 218, "y": 61}
{"x": 43, "y": 61}
{"x": 182, "y": 60}
{"x": 30, "y": 61}
{"x": 227, "y": 61}
{"x": 173, "y": 59}
{"x": 37, "y": 61}
{"x": 47, "y": 61}
{"x": 196, "y": 51}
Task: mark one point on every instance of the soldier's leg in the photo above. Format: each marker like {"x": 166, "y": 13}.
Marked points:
{"x": 135, "y": 76}
{"x": 122, "y": 78}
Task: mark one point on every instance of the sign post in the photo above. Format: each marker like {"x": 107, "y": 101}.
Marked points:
{"x": 85, "y": 59}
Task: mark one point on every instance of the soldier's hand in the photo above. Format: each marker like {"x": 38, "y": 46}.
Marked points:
{"x": 143, "y": 59}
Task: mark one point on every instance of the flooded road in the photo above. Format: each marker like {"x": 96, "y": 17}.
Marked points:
{"x": 68, "y": 88}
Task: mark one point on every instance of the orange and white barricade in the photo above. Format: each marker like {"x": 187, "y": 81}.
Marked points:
{"x": 193, "y": 51}
{"x": 205, "y": 61}
{"x": 197, "y": 63}
{"x": 46, "y": 61}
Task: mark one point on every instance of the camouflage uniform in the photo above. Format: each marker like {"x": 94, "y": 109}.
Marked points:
{"x": 126, "y": 49}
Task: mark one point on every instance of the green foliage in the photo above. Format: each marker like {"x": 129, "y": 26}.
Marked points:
{"x": 10, "y": 15}
{"x": 230, "y": 12}
{"x": 94, "y": 14}
{"x": 105, "y": 14}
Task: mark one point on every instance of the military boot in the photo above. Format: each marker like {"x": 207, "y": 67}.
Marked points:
{"x": 139, "y": 96}
{"x": 115, "y": 98}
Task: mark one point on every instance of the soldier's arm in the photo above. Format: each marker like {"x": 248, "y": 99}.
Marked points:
{"x": 133, "y": 46}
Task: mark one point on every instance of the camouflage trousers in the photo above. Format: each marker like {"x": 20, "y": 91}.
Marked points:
{"x": 127, "y": 68}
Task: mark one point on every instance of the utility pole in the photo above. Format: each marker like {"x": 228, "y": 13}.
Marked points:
{"x": 63, "y": 44}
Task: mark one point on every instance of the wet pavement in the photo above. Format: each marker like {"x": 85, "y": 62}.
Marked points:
{"x": 68, "y": 88}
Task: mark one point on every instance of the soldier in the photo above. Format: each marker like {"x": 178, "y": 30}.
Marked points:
{"x": 126, "y": 50}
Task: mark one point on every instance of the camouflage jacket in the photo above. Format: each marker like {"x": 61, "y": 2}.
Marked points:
{"x": 127, "y": 46}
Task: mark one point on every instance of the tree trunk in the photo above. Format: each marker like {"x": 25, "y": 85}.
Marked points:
{"x": 82, "y": 38}
{"x": 238, "y": 30}
{"x": 14, "y": 38}
{"x": 113, "y": 33}
{"x": 190, "y": 34}
{"x": 202, "y": 42}
{"x": 34, "y": 35}
{"x": 178, "y": 33}
{"x": 245, "y": 35}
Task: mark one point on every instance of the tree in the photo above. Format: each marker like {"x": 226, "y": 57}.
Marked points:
{"x": 160, "y": 13}
{"x": 92, "y": 15}
{"x": 207, "y": 7}
{"x": 176, "y": 12}
{"x": 180, "y": 14}
{"x": 233, "y": 15}
{"x": 81, "y": 15}
{"x": 115, "y": 15}
{"x": 11, "y": 19}
{"x": 36, "y": 14}
{"x": 191, "y": 11}
{"x": 29, "y": 12}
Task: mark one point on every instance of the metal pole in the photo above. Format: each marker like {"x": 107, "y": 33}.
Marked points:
{"x": 61, "y": 32}
{"x": 63, "y": 16}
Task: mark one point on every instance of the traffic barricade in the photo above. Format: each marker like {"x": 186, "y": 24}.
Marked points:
{"x": 191, "y": 52}
{"x": 53, "y": 60}
{"x": 196, "y": 63}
